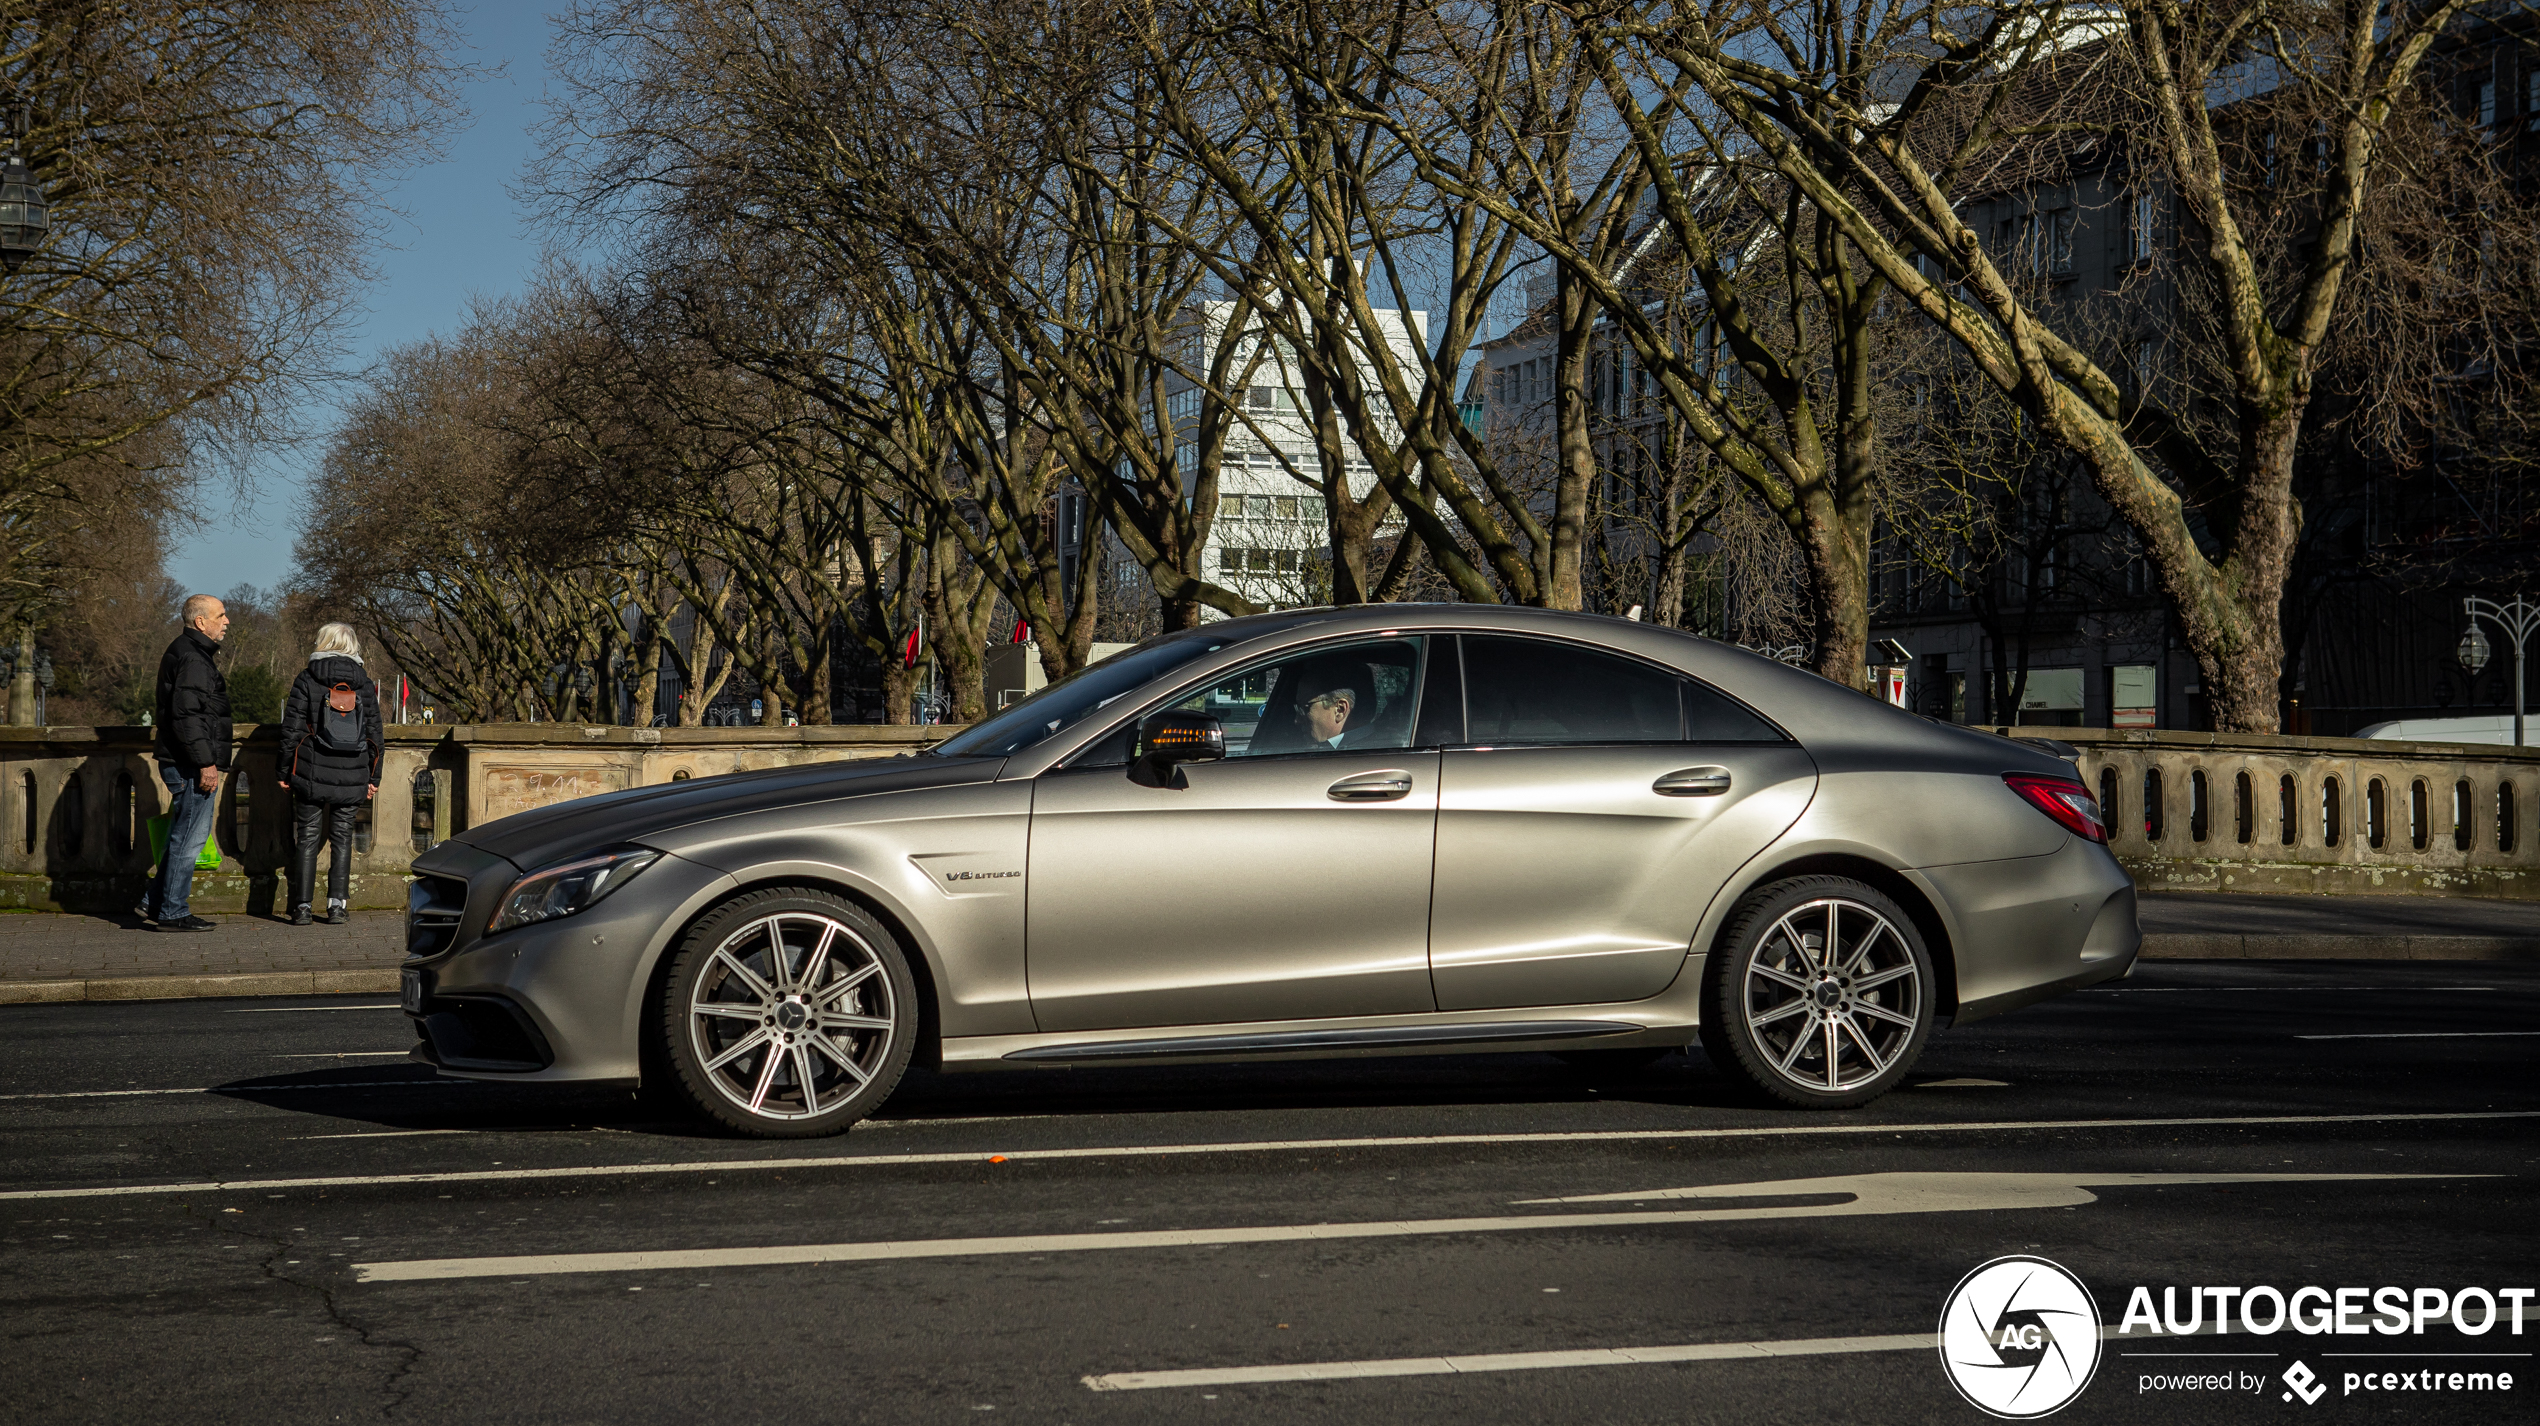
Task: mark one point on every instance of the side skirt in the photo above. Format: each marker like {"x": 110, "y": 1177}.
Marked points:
{"x": 1321, "y": 1041}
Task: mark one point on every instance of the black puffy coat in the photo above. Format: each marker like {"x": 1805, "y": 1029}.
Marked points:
{"x": 316, "y": 772}
{"x": 192, "y": 706}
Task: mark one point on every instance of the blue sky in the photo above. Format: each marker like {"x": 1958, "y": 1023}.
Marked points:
{"x": 458, "y": 233}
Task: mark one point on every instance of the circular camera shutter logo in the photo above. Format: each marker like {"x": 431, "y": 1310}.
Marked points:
{"x": 2019, "y": 1337}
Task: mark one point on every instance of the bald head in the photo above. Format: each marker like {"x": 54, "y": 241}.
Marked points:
{"x": 207, "y": 614}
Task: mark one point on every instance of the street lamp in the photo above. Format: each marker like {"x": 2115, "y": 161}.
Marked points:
{"x": 2516, "y": 620}
{"x": 24, "y": 217}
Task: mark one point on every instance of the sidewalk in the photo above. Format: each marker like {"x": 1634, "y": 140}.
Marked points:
{"x": 53, "y": 957}
{"x": 2214, "y": 925}
{"x": 57, "y": 958}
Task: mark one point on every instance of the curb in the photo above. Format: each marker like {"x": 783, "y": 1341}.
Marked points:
{"x": 2269, "y": 946}
{"x": 196, "y": 987}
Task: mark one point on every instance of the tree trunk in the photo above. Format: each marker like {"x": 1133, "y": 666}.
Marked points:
{"x": 22, "y": 683}
{"x": 960, "y": 654}
{"x": 961, "y": 673}
{"x": 816, "y": 678}
{"x": 647, "y": 689}
{"x": 1350, "y": 525}
{"x": 1667, "y": 588}
{"x": 1564, "y": 586}
{"x": 1835, "y": 544}
{"x": 899, "y": 690}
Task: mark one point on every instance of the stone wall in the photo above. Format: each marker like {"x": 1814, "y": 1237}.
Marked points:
{"x": 74, "y": 802}
{"x": 2224, "y": 812}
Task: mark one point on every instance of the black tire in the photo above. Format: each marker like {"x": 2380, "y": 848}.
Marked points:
{"x": 1772, "y": 1000}
{"x": 1611, "y": 1064}
{"x": 847, "y": 1013}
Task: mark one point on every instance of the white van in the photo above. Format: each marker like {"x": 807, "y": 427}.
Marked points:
{"x": 2477, "y": 728}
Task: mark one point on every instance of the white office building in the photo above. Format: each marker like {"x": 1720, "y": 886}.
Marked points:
{"x": 1271, "y": 542}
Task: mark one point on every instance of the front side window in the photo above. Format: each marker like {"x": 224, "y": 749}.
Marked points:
{"x": 1079, "y": 695}
{"x": 1538, "y": 691}
{"x": 1330, "y": 698}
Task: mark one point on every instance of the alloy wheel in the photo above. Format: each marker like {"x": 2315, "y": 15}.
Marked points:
{"x": 792, "y": 1015}
{"x": 1832, "y": 995}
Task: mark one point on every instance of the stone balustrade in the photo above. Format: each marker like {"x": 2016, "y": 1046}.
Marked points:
{"x": 2189, "y": 811}
{"x": 75, "y": 802}
{"x": 2225, "y": 812}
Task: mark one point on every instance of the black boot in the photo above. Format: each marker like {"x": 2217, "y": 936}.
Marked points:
{"x": 300, "y": 914}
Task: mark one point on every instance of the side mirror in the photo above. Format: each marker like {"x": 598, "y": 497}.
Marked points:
{"x": 1168, "y": 739}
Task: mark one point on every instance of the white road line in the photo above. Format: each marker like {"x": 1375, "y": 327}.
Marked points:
{"x": 258, "y": 1088}
{"x": 2264, "y": 990}
{"x": 1269, "y": 1146}
{"x": 1510, "y": 1362}
{"x": 311, "y": 1009}
{"x": 1528, "y": 1361}
{"x": 1863, "y": 1195}
{"x": 340, "y": 1055}
{"x": 2429, "y": 1035}
{"x": 378, "y": 1134}
{"x": 1860, "y": 1195}
{"x": 1515, "y": 1363}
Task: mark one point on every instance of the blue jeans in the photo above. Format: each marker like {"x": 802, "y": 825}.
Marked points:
{"x": 189, "y": 826}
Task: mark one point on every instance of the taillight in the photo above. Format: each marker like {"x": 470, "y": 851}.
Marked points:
{"x": 2068, "y": 803}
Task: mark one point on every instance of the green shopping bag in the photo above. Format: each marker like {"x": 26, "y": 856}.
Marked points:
{"x": 206, "y": 860}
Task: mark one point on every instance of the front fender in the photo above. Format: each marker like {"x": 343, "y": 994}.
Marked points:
{"x": 945, "y": 866}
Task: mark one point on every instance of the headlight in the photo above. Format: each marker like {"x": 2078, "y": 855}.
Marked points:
{"x": 568, "y": 887}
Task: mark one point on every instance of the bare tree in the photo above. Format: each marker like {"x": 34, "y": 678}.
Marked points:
{"x": 209, "y": 176}
{"x": 2217, "y": 523}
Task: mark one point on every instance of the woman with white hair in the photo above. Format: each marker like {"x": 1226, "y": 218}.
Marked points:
{"x": 331, "y": 744}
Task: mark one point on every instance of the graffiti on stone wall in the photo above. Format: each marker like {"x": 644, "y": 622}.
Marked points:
{"x": 517, "y": 789}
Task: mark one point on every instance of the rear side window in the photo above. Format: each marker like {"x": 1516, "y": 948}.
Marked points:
{"x": 1537, "y": 691}
{"x": 1713, "y": 717}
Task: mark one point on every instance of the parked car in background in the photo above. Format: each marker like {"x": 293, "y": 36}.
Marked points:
{"x": 1383, "y": 830}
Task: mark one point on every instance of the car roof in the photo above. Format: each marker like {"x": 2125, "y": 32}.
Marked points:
{"x": 1841, "y": 727}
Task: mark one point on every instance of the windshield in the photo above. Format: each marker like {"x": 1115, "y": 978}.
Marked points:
{"x": 1077, "y": 696}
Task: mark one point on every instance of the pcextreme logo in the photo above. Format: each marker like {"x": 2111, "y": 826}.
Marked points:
{"x": 2305, "y": 1383}
{"x": 2019, "y": 1337}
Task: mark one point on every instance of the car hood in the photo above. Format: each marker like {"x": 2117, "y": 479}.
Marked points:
{"x": 542, "y": 835}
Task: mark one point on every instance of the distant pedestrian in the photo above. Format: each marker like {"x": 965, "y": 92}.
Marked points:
{"x": 192, "y": 748}
{"x": 331, "y": 746}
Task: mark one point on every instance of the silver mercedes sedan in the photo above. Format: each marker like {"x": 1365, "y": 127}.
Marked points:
{"x": 1385, "y": 830}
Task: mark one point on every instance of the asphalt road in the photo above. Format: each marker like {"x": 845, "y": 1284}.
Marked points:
{"x": 259, "y": 1212}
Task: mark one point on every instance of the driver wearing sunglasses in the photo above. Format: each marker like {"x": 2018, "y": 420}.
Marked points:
{"x": 1325, "y": 708}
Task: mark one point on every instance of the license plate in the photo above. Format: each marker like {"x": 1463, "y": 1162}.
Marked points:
{"x": 410, "y": 992}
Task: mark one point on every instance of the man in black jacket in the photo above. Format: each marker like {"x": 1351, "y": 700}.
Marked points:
{"x": 193, "y": 751}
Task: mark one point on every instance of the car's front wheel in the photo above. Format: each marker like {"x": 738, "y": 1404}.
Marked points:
{"x": 786, "y": 1012}
{"x": 1820, "y": 994}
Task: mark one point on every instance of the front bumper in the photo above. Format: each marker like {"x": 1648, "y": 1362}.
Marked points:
{"x": 559, "y": 1001}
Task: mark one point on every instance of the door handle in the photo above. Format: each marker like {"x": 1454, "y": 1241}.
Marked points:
{"x": 1372, "y": 786}
{"x": 1693, "y": 782}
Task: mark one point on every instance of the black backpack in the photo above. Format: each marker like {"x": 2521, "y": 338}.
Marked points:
{"x": 339, "y": 721}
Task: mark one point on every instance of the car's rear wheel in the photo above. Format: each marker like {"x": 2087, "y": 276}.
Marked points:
{"x": 787, "y": 1013}
{"x": 1820, "y": 995}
